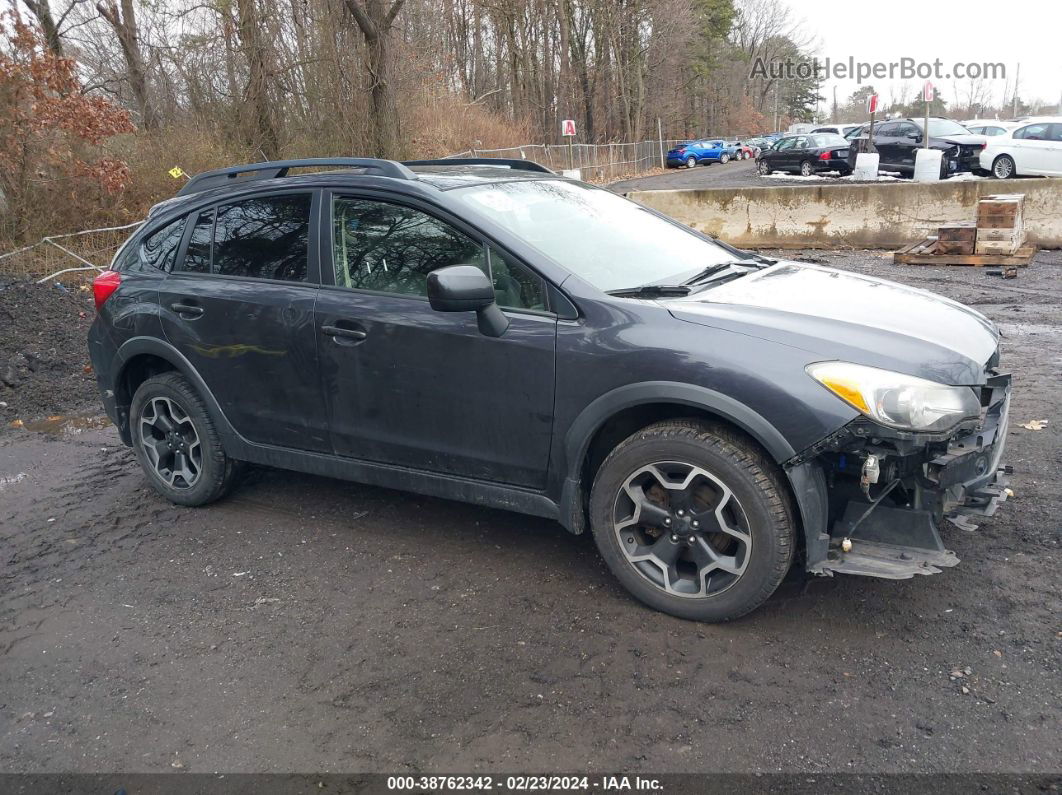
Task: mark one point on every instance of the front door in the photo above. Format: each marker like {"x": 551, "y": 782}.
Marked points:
{"x": 239, "y": 306}
{"x": 422, "y": 389}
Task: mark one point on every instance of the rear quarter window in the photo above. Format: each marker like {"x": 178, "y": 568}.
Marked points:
{"x": 155, "y": 251}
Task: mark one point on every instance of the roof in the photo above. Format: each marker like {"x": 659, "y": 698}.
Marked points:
{"x": 440, "y": 174}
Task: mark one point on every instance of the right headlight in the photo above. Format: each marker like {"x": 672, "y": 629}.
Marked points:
{"x": 895, "y": 399}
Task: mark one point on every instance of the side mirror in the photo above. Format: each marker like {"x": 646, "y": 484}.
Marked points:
{"x": 465, "y": 288}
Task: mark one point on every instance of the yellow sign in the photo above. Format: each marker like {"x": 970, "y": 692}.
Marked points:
{"x": 177, "y": 171}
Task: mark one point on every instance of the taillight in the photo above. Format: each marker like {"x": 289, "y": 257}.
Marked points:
{"x": 824, "y": 156}
{"x": 681, "y": 149}
{"x": 104, "y": 285}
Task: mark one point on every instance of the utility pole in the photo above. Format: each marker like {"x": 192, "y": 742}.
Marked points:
{"x": 1017, "y": 77}
{"x": 833, "y": 116}
{"x": 775, "y": 107}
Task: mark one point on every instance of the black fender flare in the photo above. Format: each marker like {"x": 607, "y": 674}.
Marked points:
{"x": 138, "y": 346}
{"x": 806, "y": 481}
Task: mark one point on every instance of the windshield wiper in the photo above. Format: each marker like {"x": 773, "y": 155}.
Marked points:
{"x": 719, "y": 267}
{"x": 651, "y": 291}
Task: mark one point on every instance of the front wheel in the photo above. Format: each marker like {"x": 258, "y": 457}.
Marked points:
{"x": 693, "y": 520}
{"x": 763, "y": 169}
{"x": 176, "y": 442}
{"x": 1003, "y": 167}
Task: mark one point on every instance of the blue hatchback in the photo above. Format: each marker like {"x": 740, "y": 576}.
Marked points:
{"x": 693, "y": 153}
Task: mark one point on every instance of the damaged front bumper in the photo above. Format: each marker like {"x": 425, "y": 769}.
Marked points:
{"x": 884, "y": 493}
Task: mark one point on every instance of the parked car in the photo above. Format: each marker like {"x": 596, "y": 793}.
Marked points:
{"x": 488, "y": 331}
{"x": 759, "y": 143}
{"x": 988, "y": 127}
{"x": 1033, "y": 148}
{"x": 837, "y": 129}
{"x": 740, "y": 150}
{"x": 693, "y": 153}
{"x": 898, "y": 140}
{"x": 806, "y": 155}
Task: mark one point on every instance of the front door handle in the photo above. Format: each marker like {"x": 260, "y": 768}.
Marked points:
{"x": 187, "y": 309}
{"x": 348, "y": 333}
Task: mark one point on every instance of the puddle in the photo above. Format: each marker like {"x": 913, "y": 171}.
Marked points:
{"x": 63, "y": 424}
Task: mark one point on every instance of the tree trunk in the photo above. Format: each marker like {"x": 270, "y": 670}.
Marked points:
{"x": 259, "y": 106}
{"x": 43, "y": 13}
{"x": 124, "y": 25}
{"x": 376, "y": 22}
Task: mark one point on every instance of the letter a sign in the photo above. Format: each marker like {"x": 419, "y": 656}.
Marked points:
{"x": 568, "y": 127}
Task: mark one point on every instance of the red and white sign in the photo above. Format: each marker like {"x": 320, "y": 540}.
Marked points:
{"x": 928, "y": 94}
{"x": 872, "y": 103}
{"x": 568, "y": 127}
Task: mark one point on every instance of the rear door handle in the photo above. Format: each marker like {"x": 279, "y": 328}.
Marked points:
{"x": 187, "y": 309}
{"x": 348, "y": 333}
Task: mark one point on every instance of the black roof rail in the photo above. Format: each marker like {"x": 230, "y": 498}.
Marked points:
{"x": 518, "y": 165}
{"x": 279, "y": 168}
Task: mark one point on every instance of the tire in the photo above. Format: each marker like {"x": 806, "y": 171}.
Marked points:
{"x": 1003, "y": 167}
{"x": 724, "y": 158}
{"x": 763, "y": 168}
{"x": 188, "y": 465}
{"x": 745, "y": 563}
{"x": 806, "y": 168}
{"x": 691, "y": 162}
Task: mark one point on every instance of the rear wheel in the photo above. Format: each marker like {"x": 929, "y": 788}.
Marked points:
{"x": 693, "y": 520}
{"x": 806, "y": 169}
{"x": 176, "y": 442}
{"x": 691, "y": 162}
{"x": 1003, "y": 167}
{"x": 724, "y": 158}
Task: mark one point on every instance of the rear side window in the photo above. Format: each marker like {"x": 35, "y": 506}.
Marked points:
{"x": 1034, "y": 132}
{"x": 197, "y": 256}
{"x": 263, "y": 238}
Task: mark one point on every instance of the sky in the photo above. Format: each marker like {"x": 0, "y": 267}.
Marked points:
{"x": 962, "y": 31}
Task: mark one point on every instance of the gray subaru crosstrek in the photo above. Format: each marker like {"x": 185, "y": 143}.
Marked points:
{"x": 491, "y": 332}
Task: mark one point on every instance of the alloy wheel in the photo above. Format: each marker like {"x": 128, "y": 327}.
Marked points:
{"x": 805, "y": 169}
{"x": 682, "y": 529}
{"x": 1003, "y": 168}
{"x": 171, "y": 443}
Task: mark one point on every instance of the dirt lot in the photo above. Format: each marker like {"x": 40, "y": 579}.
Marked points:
{"x": 309, "y": 624}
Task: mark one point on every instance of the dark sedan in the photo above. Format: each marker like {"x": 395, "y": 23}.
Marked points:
{"x": 898, "y": 140}
{"x": 806, "y": 155}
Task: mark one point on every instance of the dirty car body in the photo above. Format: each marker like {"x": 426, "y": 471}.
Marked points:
{"x": 879, "y": 409}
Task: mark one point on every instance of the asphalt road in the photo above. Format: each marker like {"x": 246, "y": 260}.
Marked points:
{"x": 306, "y": 624}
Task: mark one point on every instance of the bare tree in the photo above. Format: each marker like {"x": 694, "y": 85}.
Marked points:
{"x": 376, "y": 21}
{"x": 123, "y": 22}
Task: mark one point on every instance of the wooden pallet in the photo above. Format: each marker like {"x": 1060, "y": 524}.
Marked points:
{"x": 926, "y": 252}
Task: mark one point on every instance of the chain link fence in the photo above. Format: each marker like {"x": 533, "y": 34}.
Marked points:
{"x": 596, "y": 162}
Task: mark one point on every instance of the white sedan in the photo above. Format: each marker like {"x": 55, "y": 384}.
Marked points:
{"x": 1032, "y": 148}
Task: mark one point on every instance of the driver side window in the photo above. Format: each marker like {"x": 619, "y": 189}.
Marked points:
{"x": 391, "y": 248}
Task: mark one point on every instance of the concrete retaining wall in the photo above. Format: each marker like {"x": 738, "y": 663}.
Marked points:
{"x": 875, "y": 215}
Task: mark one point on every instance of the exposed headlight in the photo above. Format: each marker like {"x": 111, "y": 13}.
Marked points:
{"x": 895, "y": 399}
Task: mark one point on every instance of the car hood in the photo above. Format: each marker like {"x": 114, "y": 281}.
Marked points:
{"x": 834, "y": 314}
{"x": 968, "y": 139}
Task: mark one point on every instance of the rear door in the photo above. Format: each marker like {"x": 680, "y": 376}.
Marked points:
{"x": 416, "y": 388}
{"x": 239, "y": 306}
{"x": 1032, "y": 148}
{"x": 886, "y": 141}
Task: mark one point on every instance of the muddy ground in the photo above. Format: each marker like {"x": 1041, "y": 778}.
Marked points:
{"x": 306, "y": 624}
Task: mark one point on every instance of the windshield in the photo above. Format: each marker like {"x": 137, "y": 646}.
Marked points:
{"x": 608, "y": 241}
{"x": 939, "y": 127}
